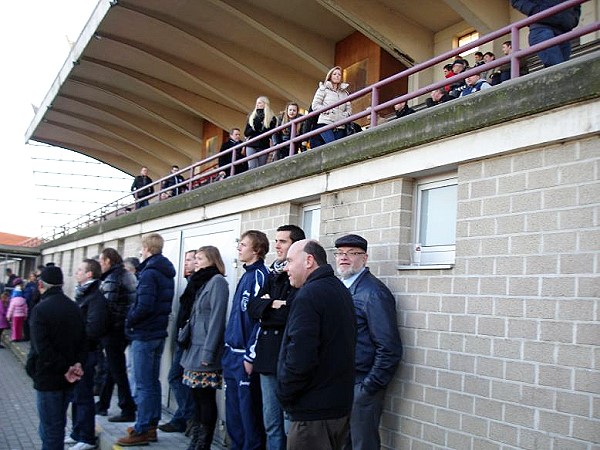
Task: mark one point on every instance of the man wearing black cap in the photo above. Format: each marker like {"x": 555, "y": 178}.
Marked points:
{"x": 378, "y": 345}
{"x": 55, "y": 357}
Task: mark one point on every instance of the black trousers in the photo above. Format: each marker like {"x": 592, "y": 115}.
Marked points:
{"x": 114, "y": 346}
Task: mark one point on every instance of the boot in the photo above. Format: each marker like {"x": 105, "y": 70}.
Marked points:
{"x": 204, "y": 437}
{"x": 194, "y": 434}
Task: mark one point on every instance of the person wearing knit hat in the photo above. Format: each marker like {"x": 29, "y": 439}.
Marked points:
{"x": 378, "y": 345}
{"x": 56, "y": 354}
{"x": 52, "y": 275}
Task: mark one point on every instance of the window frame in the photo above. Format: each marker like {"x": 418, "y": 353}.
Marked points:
{"x": 437, "y": 255}
{"x": 311, "y": 207}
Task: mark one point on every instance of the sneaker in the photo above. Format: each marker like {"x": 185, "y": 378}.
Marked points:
{"x": 83, "y": 446}
{"x": 170, "y": 427}
{"x": 122, "y": 418}
{"x": 134, "y": 438}
{"x": 152, "y": 436}
{"x": 69, "y": 440}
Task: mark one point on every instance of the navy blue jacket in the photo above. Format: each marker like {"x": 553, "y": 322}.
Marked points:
{"x": 563, "y": 21}
{"x": 148, "y": 316}
{"x": 241, "y": 330}
{"x": 315, "y": 373}
{"x": 378, "y": 345}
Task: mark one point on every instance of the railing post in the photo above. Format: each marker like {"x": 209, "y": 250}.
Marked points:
{"x": 232, "y": 168}
{"x": 292, "y": 137}
{"x": 515, "y": 65}
{"x": 374, "y": 103}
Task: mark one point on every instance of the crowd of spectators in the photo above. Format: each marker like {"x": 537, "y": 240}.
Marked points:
{"x": 333, "y": 89}
{"x": 17, "y": 300}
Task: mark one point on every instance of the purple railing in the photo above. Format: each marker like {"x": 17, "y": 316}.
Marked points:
{"x": 124, "y": 204}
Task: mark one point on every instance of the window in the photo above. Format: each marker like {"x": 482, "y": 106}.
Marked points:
{"x": 311, "y": 220}
{"x": 465, "y": 39}
{"x": 435, "y": 217}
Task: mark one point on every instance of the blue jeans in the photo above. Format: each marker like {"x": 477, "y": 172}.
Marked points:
{"x": 272, "y": 414}
{"x": 52, "y": 409}
{"x": 256, "y": 162}
{"x": 364, "y": 419}
{"x": 82, "y": 409}
{"x": 182, "y": 393}
{"x": 553, "y": 55}
{"x": 146, "y": 366}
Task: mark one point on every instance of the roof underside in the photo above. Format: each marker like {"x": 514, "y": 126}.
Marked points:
{"x": 146, "y": 75}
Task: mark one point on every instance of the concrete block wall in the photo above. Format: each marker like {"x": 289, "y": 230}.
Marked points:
{"x": 502, "y": 351}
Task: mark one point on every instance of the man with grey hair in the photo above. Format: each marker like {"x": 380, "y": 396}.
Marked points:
{"x": 378, "y": 345}
{"x": 55, "y": 356}
{"x": 315, "y": 372}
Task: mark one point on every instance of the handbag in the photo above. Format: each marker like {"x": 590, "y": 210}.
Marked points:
{"x": 352, "y": 128}
{"x": 184, "y": 336}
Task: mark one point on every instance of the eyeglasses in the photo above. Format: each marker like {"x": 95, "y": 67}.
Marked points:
{"x": 349, "y": 254}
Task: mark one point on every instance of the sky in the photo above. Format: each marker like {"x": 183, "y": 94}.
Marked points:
{"x": 35, "y": 36}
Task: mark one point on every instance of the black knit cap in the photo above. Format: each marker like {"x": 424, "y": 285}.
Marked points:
{"x": 352, "y": 240}
{"x": 52, "y": 275}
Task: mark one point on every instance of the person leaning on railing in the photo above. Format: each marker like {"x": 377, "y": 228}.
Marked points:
{"x": 289, "y": 113}
{"x": 261, "y": 120}
{"x": 329, "y": 92}
{"x": 549, "y": 27}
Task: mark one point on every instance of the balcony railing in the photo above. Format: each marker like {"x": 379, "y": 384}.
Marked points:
{"x": 197, "y": 177}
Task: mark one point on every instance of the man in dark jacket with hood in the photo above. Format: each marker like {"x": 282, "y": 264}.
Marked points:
{"x": 549, "y": 27}
{"x": 55, "y": 356}
{"x": 118, "y": 287}
{"x": 146, "y": 326}
{"x": 315, "y": 373}
{"x": 378, "y": 345}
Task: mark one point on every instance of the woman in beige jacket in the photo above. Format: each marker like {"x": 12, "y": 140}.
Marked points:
{"x": 331, "y": 91}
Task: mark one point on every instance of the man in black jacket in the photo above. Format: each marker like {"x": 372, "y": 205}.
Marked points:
{"x": 119, "y": 288}
{"x": 549, "y": 28}
{"x": 55, "y": 356}
{"x": 185, "y": 402}
{"x": 271, "y": 307}
{"x": 138, "y": 183}
{"x": 174, "y": 179}
{"x": 235, "y": 138}
{"x": 95, "y": 315}
{"x": 316, "y": 365}
{"x": 378, "y": 345}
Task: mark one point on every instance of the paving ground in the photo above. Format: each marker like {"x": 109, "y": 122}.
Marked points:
{"x": 19, "y": 421}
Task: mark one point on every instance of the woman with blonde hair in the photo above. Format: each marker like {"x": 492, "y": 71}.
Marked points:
{"x": 261, "y": 120}
{"x": 203, "y": 340}
{"x": 329, "y": 92}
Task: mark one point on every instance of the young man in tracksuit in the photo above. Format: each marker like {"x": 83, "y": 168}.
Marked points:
{"x": 242, "y": 391}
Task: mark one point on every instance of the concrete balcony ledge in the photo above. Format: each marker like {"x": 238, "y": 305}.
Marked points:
{"x": 576, "y": 81}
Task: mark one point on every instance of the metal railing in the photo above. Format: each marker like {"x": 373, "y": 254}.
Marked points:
{"x": 197, "y": 177}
